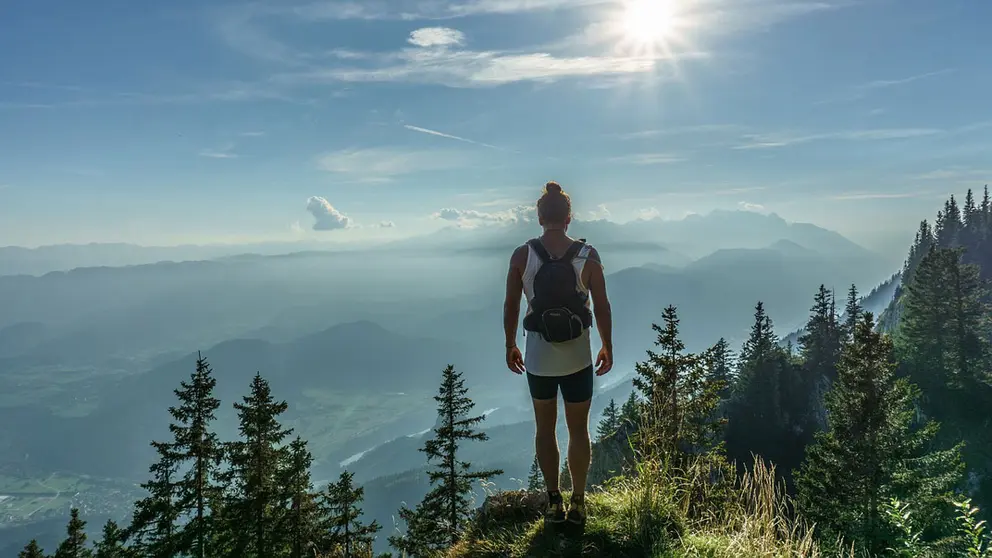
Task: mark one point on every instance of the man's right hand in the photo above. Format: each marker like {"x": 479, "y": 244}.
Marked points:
{"x": 515, "y": 360}
{"x": 604, "y": 362}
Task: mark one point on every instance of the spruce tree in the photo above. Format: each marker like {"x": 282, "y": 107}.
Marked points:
{"x": 770, "y": 412}
{"x": 820, "y": 341}
{"x": 852, "y": 313}
{"x": 300, "y": 527}
{"x": 111, "y": 545}
{"x": 438, "y": 521}
{"x": 630, "y": 412}
{"x": 197, "y": 447}
{"x": 610, "y": 423}
{"x": 720, "y": 369}
{"x": 872, "y": 450}
{"x": 255, "y": 506}
{"x": 74, "y": 545}
{"x": 153, "y": 525}
{"x": 346, "y": 534}
{"x": 535, "y": 479}
{"x": 32, "y": 550}
{"x": 565, "y": 475}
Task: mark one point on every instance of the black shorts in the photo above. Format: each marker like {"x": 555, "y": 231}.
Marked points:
{"x": 575, "y": 388}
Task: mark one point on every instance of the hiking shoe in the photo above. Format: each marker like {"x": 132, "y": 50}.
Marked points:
{"x": 577, "y": 511}
{"x": 555, "y": 512}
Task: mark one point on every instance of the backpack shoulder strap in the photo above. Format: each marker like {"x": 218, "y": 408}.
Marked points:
{"x": 574, "y": 250}
{"x": 539, "y": 249}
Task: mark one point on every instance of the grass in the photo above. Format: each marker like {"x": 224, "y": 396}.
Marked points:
{"x": 649, "y": 515}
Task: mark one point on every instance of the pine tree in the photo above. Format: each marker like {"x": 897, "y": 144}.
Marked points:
{"x": 820, "y": 341}
{"x": 610, "y": 423}
{"x": 32, "y": 550}
{"x": 872, "y": 450}
{"x": 256, "y": 504}
{"x": 986, "y": 210}
{"x": 770, "y": 411}
{"x": 852, "y": 313}
{"x": 345, "y": 530}
{"x": 74, "y": 546}
{"x": 565, "y": 476}
{"x": 153, "y": 524}
{"x": 630, "y": 412}
{"x": 197, "y": 447}
{"x": 439, "y": 519}
{"x": 535, "y": 479}
{"x": 943, "y": 335}
{"x": 111, "y": 545}
{"x": 720, "y": 370}
{"x": 300, "y": 524}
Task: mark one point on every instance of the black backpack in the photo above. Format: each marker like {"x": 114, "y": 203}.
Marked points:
{"x": 558, "y": 310}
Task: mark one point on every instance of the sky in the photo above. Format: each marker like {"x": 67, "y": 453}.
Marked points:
{"x": 346, "y": 120}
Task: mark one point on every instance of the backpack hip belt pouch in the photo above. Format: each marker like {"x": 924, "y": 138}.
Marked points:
{"x": 558, "y": 310}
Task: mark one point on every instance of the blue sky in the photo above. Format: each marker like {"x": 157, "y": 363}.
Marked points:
{"x": 214, "y": 121}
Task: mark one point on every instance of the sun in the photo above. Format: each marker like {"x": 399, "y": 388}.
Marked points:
{"x": 649, "y": 21}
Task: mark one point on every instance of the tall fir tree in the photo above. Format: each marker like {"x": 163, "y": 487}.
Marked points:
{"x": 32, "y": 550}
{"x": 630, "y": 411}
{"x": 345, "y": 532}
{"x": 680, "y": 402}
{"x": 111, "y": 544}
{"x": 944, "y": 332}
{"x": 197, "y": 447}
{"x": 74, "y": 545}
{"x": 610, "y": 422}
{"x": 535, "y": 480}
{"x": 153, "y": 525}
{"x": 852, "y": 313}
{"x": 301, "y": 521}
{"x": 873, "y": 451}
{"x": 565, "y": 475}
{"x": 255, "y": 507}
{"x": 820, "y": 342}
{"x": 770, "y": 412}
{"x": 721, "y": 370}
{"x": 438, "y": 521}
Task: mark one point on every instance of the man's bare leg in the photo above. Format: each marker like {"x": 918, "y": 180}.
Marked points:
{"x": 546, "y": 441}
{"x": 579, "y": 445}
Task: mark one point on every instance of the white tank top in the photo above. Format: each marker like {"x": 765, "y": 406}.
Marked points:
{"x": 542, "y": 358}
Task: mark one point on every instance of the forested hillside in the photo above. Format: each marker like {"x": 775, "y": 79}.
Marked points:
{"x": 864, "y": 437}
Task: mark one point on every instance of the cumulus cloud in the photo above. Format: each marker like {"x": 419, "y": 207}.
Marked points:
{"x": 473, "y": 218}
{"x": 601, "y": 212}
{"x": 649, "y": 213}
{"x": 748, "y": 206}
{"x": 436, "y": 37}
{"x": 326, "y": 217}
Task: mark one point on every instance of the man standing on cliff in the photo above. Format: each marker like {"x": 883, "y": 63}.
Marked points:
{"x": 560, "y": 277}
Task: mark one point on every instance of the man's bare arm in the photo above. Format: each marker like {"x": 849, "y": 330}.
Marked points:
{"x": 514, "y": 290}
{"x": 600, "y": 301}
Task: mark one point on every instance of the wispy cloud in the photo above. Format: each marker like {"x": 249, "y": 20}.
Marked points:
{"x": 778, "y": 140}
{"x": 753, "y": 207}
{"x": 648, "y": 159}
{"x": 252, "y": 134}
{"x": 862, "y": 90}
{"x": 850, "y": 196}
{"x": 410, "y": 10}
{"x": 436, "y": 36}
{"x": 211, "y": 154}
{"x": 955, "y": 174}
{"x": 678, "y": 131}
{"x": 470, "y": 218}
{"x": 449, "y": 136}
{"x": 384, "y": 163}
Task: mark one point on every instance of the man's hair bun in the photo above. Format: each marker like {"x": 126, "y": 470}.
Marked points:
{"x": 552, "y": 188}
